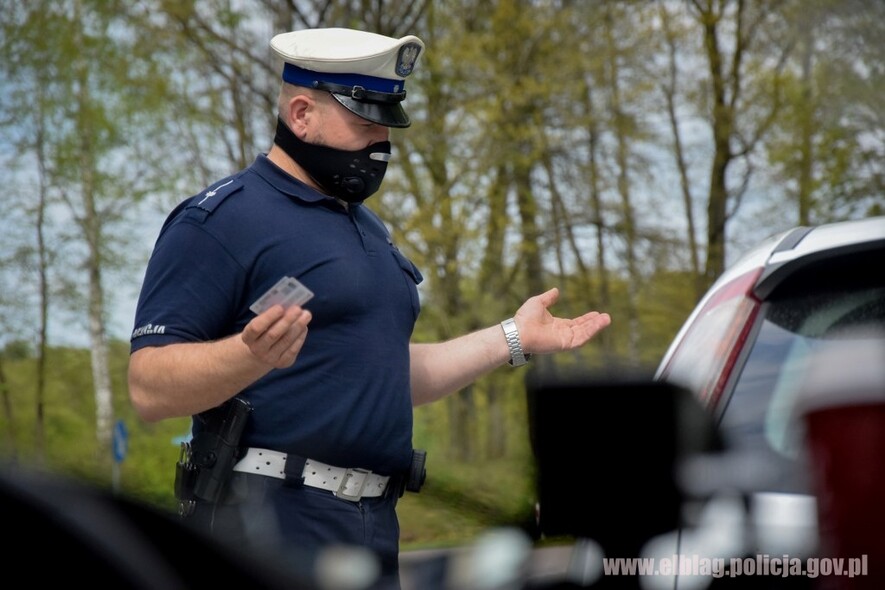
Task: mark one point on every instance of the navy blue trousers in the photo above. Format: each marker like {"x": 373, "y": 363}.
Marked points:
{"x": 298, "y": 523}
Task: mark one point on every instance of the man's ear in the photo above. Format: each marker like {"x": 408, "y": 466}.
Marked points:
{"x": 298, "y": 113}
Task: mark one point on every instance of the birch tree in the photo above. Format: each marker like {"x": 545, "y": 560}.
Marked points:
{"x": 94, "y": 85}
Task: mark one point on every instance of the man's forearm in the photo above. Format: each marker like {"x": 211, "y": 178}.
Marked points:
{"x": 184, "y": 379}
{"x": 443, "y": 368}
{"x": 439, "y": 369}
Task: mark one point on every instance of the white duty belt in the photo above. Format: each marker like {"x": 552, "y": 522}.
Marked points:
{"x": 346, "y": 483}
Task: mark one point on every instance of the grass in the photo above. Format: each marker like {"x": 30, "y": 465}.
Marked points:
{"x": 460, "y": 501}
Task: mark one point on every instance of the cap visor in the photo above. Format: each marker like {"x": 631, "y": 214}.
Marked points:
{"x": 389, "y": 115}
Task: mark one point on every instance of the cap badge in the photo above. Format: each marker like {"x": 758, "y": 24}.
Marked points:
{"x": 405, "y": 61}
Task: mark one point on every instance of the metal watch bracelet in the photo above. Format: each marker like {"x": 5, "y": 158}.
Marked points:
{"x": 511, "y": 333}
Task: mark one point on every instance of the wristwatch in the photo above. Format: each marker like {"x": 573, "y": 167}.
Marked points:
{"x": 511, "y": 333}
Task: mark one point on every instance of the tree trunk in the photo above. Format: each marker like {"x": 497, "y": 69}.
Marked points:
{"x": 604, "y": 291}
{"x": 722, "y": 124}
{"x": 91, "y": 225}
{"x": 104, "y": 409}
{"x": 670, "y": 95}
{"x": 807, "y": 130}
{"x": 628, "y": 219}
{"x": 43, "y": 270}
{"x": 529, "y": 247}
{"x": 496, "y": 438}
{"x": 461, "y": 411}
{"x": 490, "y": 274}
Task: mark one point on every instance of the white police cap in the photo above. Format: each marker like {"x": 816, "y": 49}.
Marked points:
{"x": 364, "y": 71}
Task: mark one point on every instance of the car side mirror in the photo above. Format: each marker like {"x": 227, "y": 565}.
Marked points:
{"x": 607, "y": 454}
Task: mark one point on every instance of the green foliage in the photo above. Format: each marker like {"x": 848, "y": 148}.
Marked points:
{"x": 17, "y": 350}
{"x": 461, "y": 501}
{"x": 71, "y": 444}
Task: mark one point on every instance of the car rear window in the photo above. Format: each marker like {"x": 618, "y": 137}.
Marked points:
{"x": 840, "y": 300}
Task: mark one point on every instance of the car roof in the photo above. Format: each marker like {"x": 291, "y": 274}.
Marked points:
{"x": 819, "y": 243}
{"x": 786, "y": 252}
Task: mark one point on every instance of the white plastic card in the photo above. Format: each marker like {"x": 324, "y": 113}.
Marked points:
{"x": 287, "y": 292}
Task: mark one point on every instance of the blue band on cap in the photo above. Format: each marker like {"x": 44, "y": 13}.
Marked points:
{"x": 301, "y": 77}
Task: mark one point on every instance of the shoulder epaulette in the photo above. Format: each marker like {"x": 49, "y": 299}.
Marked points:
{"x": 209, "y": 199}
{"x": 203, "y": 204}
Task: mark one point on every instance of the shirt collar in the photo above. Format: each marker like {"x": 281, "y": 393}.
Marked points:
{"x": 289, "y": 185}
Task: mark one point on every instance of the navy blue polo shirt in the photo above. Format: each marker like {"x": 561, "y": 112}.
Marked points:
{"x": 346, "y": 401}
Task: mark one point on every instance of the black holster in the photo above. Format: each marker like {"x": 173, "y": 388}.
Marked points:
{"x": 206, "y": 462}
{"x": 414, "y": 479}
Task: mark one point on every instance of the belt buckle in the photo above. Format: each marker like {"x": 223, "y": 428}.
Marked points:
{"x": 348, "y": 475}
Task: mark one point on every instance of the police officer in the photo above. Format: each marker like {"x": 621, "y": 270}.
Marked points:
{"x": 331, "y": 383}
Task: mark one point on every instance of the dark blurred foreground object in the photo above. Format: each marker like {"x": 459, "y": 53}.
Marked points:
{"x": 106, "y": 541}
{"x": 843, "y": 405}
{"x": 607, "y": 454}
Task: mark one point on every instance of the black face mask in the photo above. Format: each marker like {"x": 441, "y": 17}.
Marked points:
{"x": 349, "y": 176}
